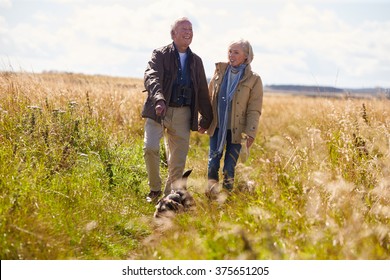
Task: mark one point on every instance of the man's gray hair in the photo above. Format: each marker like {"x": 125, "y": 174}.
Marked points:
{"x": 176, "y": 23}
{"x": 246, "y": 47}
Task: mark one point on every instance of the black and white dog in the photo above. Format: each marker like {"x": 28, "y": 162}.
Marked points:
{"x": 177, "y": 201}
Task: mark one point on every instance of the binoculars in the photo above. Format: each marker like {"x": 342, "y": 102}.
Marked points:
{"x": 181, "y": 96}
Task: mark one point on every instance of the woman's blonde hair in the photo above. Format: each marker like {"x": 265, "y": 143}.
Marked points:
{"x": 246, "y": 47}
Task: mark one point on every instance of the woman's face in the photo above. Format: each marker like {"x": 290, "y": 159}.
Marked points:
{"x": 236, "y": 55}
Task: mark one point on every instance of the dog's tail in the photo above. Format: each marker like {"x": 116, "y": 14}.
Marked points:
{"x": 187, "y": 174}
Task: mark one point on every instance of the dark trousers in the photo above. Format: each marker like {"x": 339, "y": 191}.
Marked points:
{"x": 232, "y": 151}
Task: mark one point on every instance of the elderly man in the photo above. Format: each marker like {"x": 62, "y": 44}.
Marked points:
{"x": 177, "y": 90}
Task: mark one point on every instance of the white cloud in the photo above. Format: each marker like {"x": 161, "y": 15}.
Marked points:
{"x": 317, "y": 43}
{"x": 300, "y": 44}
{"x": 5, "y": 3}
{"x": 3, "y": 25}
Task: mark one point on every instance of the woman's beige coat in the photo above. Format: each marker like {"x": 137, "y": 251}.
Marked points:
{"x": 246, "y": 104}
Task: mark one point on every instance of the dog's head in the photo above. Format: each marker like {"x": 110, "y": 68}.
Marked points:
{"x": 170, "y": 203}
{"x": 178, "y": 200}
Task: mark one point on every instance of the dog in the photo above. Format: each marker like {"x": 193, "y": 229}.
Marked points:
{"x": 178, "y": 200}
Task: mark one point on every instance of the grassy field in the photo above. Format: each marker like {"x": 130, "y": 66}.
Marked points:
{"x": 73, "y": 180}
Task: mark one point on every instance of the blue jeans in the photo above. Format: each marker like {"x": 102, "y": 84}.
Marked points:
{"x": 232, "y": 151}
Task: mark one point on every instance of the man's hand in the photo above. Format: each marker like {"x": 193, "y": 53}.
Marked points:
{"x": 160, "y": 108}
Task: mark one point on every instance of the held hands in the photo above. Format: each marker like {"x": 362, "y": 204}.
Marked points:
{"x": 160, "y": 108}
{"x": 201, "y": 130}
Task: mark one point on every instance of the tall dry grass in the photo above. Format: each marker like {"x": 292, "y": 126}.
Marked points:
{"x": 73, "y": 182}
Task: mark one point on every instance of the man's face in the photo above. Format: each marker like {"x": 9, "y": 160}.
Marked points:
{"x": 182, "y": 35}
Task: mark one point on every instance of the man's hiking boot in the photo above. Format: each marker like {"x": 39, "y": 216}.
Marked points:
{"x": 153, "y": 196}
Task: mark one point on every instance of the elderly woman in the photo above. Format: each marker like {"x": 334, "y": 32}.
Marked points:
{"x": 236, "y": 94}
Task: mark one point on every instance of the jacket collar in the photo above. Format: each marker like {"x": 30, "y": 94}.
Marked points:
{"x": 173, "y": 48}
{"x": 221, "y": 69}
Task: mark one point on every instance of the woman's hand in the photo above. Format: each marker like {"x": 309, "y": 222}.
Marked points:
{"x": 249, "y": 141}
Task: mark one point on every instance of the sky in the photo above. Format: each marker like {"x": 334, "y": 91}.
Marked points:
{"x": 341, "y": 43}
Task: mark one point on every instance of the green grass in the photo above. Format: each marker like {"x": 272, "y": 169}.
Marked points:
{"x": 73, "y": 180}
